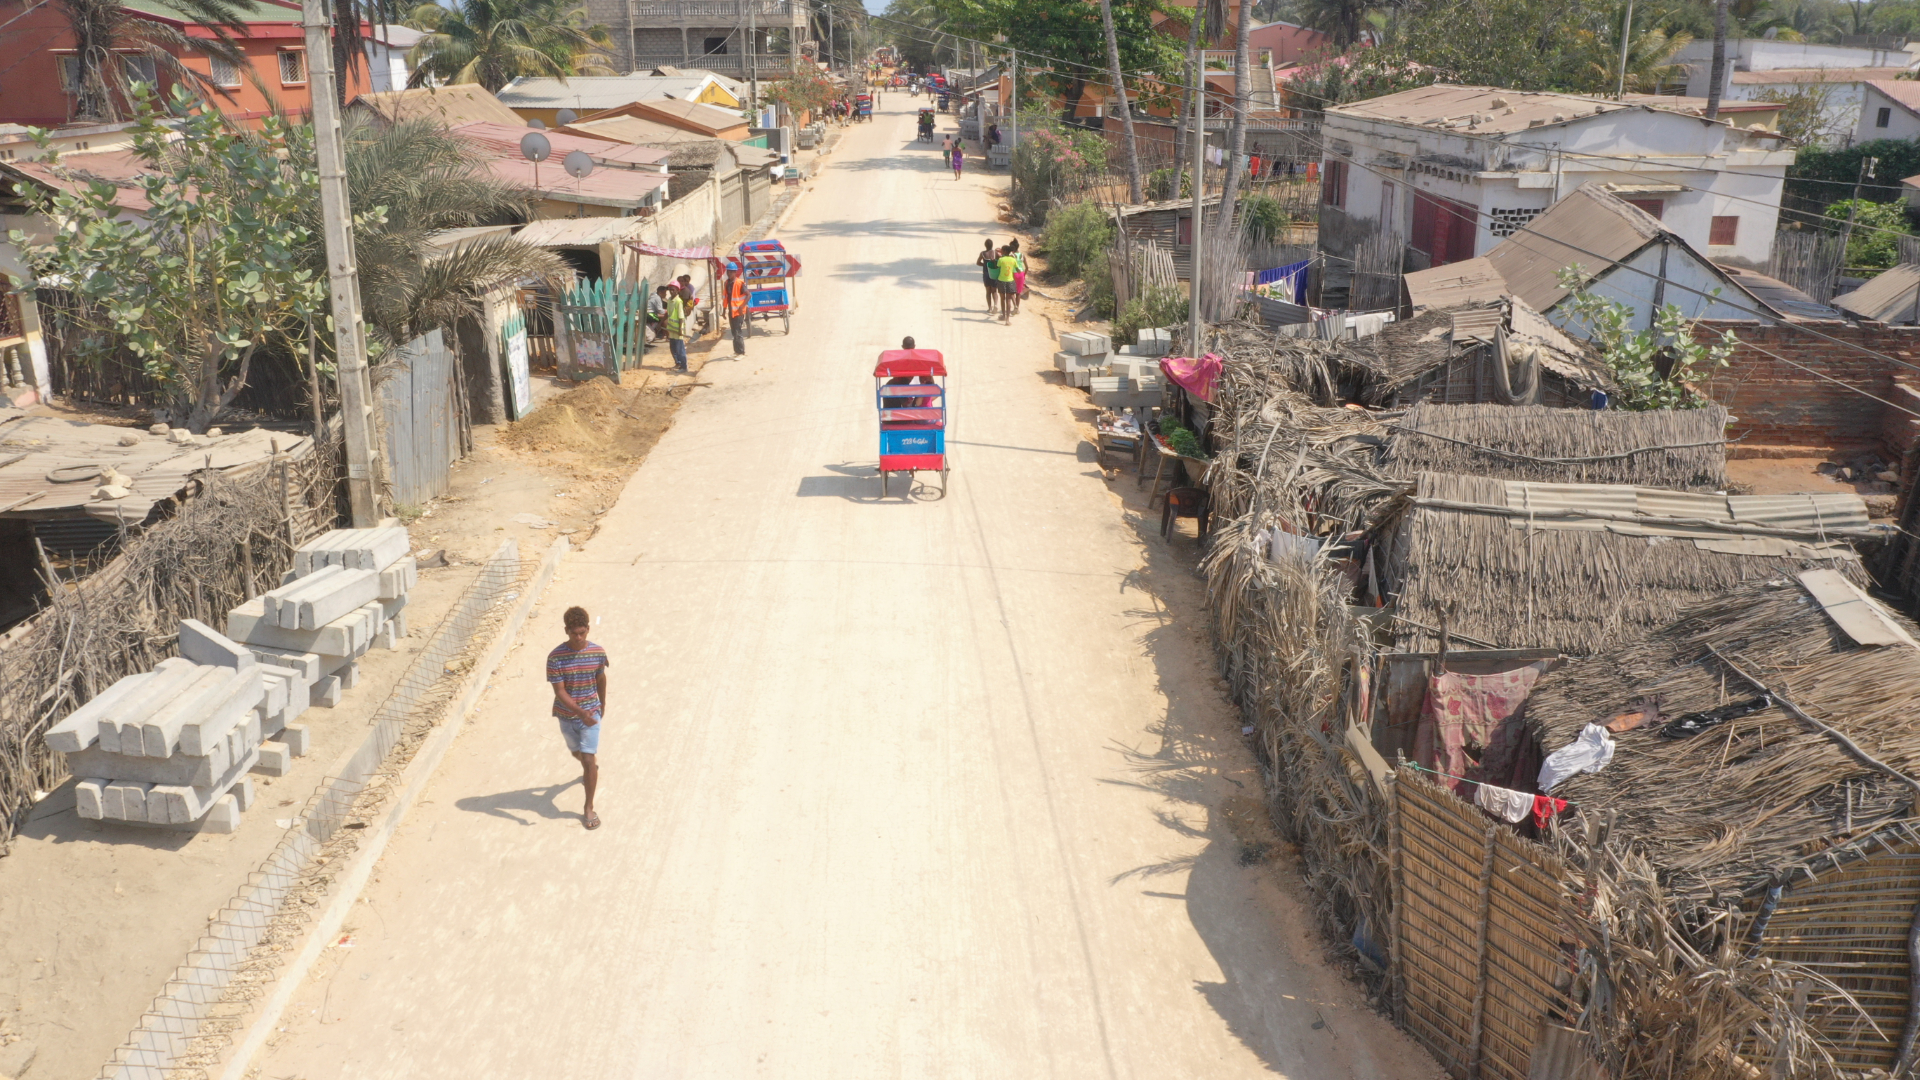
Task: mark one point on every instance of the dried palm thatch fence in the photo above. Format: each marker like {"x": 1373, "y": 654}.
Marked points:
{"x": 229, "y": 538}
{"x": 1600, "y": 944}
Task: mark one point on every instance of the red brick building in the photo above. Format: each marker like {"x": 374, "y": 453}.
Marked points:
{"x": 38, "y": 65}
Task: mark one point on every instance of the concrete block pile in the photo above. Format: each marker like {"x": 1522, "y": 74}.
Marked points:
{"x": 346, "y": 594}
{"x": 173, "y": 747}
{"x": 1082, "y": 356}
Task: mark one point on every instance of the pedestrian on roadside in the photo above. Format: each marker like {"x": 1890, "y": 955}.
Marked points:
{"x": 577, "y": 670}
{"x": 1003, "y": 266}
{"x": 1019, "y": 274}
{"x": 985, "y": 260}
{"x": 959, "y": 157}
{"x": 946, "y": 147}
{"x": 657, "y": 313}
{"x": 675, "y": 320}
{"x": 736, "y": 303}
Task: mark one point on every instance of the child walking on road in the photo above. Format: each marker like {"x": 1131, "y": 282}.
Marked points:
{"x": 577, "y": 668}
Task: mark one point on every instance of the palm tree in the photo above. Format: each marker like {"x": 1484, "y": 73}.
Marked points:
{"x": 491, "y": 42}
{"x": 407, "y": 183}
{"x": 1135, "y": 192}
{"x": 114, "y": 48}
{"x": 1237, "y": 128}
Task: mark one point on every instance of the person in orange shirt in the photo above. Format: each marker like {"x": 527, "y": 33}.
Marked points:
{"x": 734, "y": 297}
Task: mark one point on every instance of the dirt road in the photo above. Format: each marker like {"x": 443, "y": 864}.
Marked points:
{"x": 901, "y": 789}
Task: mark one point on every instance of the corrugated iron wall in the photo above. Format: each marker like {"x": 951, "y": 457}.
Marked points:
{"x": 419, "y": 412}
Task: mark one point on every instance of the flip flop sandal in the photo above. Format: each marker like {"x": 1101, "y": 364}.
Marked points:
{"x": 592, "y": 820}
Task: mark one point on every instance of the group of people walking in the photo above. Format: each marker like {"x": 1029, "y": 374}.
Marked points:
{"x": 955, "y": 151}
{"x": 1003, "y": 270}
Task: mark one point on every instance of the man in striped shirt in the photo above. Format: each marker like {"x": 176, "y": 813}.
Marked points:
{"x": 577, "y": 668}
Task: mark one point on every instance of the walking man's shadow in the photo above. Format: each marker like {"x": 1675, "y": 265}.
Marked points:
{"x": 535, "y": 800}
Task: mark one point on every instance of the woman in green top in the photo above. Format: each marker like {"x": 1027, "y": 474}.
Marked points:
{"x": 1004, "y": 268}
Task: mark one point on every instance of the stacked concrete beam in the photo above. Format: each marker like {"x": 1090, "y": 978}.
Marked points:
{"x": 172, "y": 747}
{"x": 346, "y": 594}
{"x": 1082, "y": 356}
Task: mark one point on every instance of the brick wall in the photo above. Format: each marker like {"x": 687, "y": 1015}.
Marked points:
{"x": 1776, "y": 404}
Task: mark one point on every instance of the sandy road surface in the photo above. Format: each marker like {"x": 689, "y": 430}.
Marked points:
{"x": 921, "y": 789}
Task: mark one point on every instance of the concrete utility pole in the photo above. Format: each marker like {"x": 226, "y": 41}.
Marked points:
{"x": 343, "y": 275}
{"x": 1626, "y": 37}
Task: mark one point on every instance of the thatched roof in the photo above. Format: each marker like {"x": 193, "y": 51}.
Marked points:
{"x": 1742, "y": 804}
{"x": 1582, "y": 568}
{"x": 1684, "y": 449}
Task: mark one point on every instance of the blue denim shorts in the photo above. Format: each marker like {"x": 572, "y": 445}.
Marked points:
{"x": 581, "y": 739}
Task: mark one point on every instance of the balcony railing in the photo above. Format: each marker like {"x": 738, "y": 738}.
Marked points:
{"x": 767, "y": 65}
{"x": 725, "y": 12}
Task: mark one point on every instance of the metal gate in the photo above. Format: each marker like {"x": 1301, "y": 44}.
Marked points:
{"x": 418, "y": 395}
{"x": 613, "y": 314}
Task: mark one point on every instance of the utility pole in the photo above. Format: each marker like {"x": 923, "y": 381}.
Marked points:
{"x": 829, "y": 37}
{"x": 343, "y": 274}
{"x": 1868, "y": 167}
{"x": 753, "y": 69}
{"x": 1626, "y": 36}
{"x": 1196, "y": 322}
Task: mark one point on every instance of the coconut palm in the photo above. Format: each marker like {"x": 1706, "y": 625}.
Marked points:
{"x": 408, "y": 183}
{"x": 115, "y": 48}
{"x": 492, "y": 42}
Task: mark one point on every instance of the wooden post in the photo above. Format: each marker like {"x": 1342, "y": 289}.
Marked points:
{"x": 246, "y": 564}
{"x": 1476, "y": 1035}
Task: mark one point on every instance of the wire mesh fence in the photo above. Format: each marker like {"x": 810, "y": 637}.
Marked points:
{"x": 188, "y": 1026}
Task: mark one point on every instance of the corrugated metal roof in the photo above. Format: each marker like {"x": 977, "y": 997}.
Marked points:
{"x": 1889, "y": 296}
{"x": 1775, "y": 76}
{"x": 579, "y": 232}
{"x": 1473, "y": 281}
{"x": 601, "y": 187}
{"x": 460, "y": 103}
{"x": 584, "y": 93}
{"x": 1809, "y": 512}
{"x": 1852, "y": 610}
{"x": 1588, "y": 227}
{"x": 504, "y": 140}
{"x": 1475, "y": 324}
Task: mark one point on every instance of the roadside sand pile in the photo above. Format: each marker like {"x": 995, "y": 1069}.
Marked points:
{"x": 597, "y": 418}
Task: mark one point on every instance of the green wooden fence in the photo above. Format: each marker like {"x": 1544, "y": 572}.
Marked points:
{"x": 626, "y": 314}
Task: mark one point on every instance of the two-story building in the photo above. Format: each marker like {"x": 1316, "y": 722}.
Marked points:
{"x": 1761, "y": 69}
{"x": 1453, "y": 170}
{"x": 40, "y": 76}
{"x": 742, "y": 38}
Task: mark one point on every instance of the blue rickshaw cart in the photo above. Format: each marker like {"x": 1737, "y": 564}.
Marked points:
{"x": 910, "y": 391}
{"x": 769, "y": 270}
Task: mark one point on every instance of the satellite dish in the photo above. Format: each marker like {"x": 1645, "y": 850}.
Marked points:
{"x": 537, "y": 124}
{"x": 565, "y": 116}
{"x": 578, "y": 164}
{"x": 534, "y": 146}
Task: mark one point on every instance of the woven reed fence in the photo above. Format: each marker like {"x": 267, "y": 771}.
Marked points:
{"x": 230, "y": 538}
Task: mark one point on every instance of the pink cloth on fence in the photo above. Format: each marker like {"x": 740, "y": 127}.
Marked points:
{"x": 1197, "y": 376}
{"x": 1460, "y": 716}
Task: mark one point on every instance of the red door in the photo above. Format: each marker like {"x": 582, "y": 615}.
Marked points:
{"x": 1442, "y": 228}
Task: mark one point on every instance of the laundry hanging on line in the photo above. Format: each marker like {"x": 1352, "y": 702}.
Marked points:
{"x": 1509, "y": 806}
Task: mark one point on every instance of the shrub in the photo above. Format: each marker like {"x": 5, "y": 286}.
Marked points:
{"x": 1163, "y": 305}
{"x": 1099, "y": 286}
{"x": 1263, "y": 217}
{"x": 1877, "y": 228}
{"x": 1074, "y": 235}
{"x": 1160, "y": 184}
{"x": 1053, "y": 161}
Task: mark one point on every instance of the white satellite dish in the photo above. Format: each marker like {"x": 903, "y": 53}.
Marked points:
{"x": 565, "y": 117}
{"x": 537, "y": 124}
{"x": 534, "y": 146}
{"x": 578, "y": 164}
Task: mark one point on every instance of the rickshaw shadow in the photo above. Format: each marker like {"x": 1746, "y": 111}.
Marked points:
{"x": 860, "y": 483}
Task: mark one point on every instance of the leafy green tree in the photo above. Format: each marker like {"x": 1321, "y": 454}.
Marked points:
{"x": 1075, "y": 235}
{"x": 1636, "y": 357}
{"x": 115, "y": 48}
{"x": 1819, "y": 175}
{"x": 1522, "y": 44}
{"x": 492, "y": 42}
{"x": 805, "y": 91}
{"x": 408, "y": 183}
{"x": 1071, "y": 31}
{"x": 1874, "y": 242}
{"x": 1353, "y": 76}
{"x": 217, "y": 269}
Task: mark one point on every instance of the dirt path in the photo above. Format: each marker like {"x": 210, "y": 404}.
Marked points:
{"x": 901, "y": 789}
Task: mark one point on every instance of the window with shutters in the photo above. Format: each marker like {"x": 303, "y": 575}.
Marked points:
{"x": 70, "y": 73}
{"x": 293, "y": 67}
{"x": 1883, "y": 117}
{"x": 1724, "y": 231}
{"x": 1333, "y": 184}
{"x": 1653, "y": 207}
{"x": 225, "y": 72}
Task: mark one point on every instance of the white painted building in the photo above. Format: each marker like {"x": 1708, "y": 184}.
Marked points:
{"x": 1889, "y": 110}
{"x": 1454, "y": 170}
{"x": 387, "y": 47}
{"x": 1760, "y": 68}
